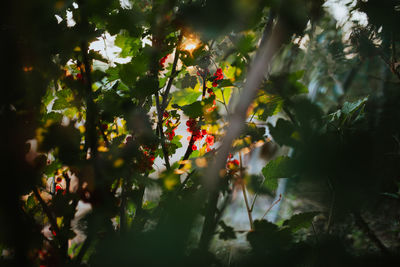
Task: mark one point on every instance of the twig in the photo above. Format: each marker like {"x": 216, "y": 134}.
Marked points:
{"x": 226, "y": 107}
{"x": 46, "y": 210}
{"x": 90, "y": 134}
{"x": 161, "y": 131}
{"x": 253, "y": 202}
{"x": 173, "y": 74}
{"x": 245, "y": 194}
{"x": 273, "y": 204}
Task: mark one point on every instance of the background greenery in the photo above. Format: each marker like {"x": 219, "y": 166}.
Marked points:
{"x": 79, "y": 130}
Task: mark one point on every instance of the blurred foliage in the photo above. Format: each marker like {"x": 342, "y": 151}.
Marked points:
{"x": 94, "y": 173}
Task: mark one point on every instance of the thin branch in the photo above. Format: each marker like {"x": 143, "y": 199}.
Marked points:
{"x": 256, "y": 74}
{"x": 253, "y": 202}
{"x": 173, "y": 74}
{"x": 272, "y": 205}
{"x": 185, "y": 181}
{"x": 161, "y": 131}
{"x": 46, "y": 210}
{"x": 224, "y": 102}
{"x": 244, "y": 193}
{"x": 90, "y": 125}
{"x": 270, "y": 45}
{"x": 255, "y": 77}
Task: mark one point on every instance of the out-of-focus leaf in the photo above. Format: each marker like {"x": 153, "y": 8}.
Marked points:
{"x": 283, "y": 132}
{"x": 227, "y": 231}
{"x": 301, "y": 220}
{"x": 281, "y": 167}
{"x": 185, "y": 96}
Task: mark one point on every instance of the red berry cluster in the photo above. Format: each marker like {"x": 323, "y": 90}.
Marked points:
{"x": 170, "y": 130}
{"x": 162, "y": 61}
{"x": 232, "y": 164}
{"x": 59, "y": 188}
{"x": 217, "y": 76}
{"x": 198, "y": 134}
{"x": 171, "y": 127}
{"x": 147, "y": 159}
{"x": 194, "y": 129}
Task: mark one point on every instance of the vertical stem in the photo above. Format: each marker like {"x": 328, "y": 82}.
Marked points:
{"x": 245, "y": 194}
{"x": 209, "y": 220}
{"x": 90, "y": 123}
{"x": 161, "y": 131}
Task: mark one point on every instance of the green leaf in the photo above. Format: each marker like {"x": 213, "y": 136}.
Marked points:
{"x": 246, "y": 44}
{"x": 267, "y": 236}
{"x": 145, "y": 86}
{"x": 225, "y": 83}
{"x": 227, "y": 94}
{"x": 281, "y": 167}
{"x": 350, "y": 107}
{"x": 67, "y": 139}
{"x": 227, "y": 231}
{"x": 129, "y": 45}
{"x": 189, "y": 81}
{"x": 300, "y": 221}
{"x": 286, "y": 84}
{"x": 30, "y": 202}
{"x": 193, "y": 110}
{"x": 283, "y": 132}
{"x": 185, "y": 96}
{"x": 60, "y": 104}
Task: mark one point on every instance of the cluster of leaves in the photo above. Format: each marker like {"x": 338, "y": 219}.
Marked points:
{"x": 82, "y": 130}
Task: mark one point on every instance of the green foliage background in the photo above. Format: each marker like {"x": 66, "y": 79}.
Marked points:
{"x": 97, "y": 132}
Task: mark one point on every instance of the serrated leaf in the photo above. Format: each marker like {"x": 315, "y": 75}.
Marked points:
{"x": 227, "y": 95}
{"x": 283, "y": 132}
{"x": 300, "y": 221}
{"x": 60, "y": 104}
{"x": 227, "y": 231}
{"x": 193, "y": 110}
{"x": 225, "y": 83}
{"x": 350, "y": 107}
{"x": 185, "y": 96}
{"x": 281, "y": 167}
{"x": 145, "y": 86}
{"x": 189, "y": 81}
{"x": 30, "y": 202}
{"x": 128, "y": 45}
